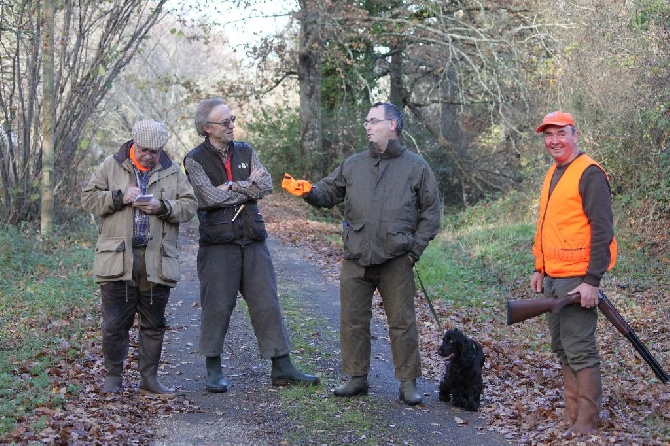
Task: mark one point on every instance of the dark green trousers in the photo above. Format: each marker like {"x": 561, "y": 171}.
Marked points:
{"x": 226, "y": 270}
{"x": 573, "y": 329}
{"x": 121, "y": 302}
{"x": 395, "y": 281}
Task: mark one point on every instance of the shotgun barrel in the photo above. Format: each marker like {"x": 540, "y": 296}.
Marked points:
{"x": 611, "y": 313}
{"x": 520, "y": 310}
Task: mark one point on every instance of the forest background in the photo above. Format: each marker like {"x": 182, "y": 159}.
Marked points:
{"x": 474, "y": 79}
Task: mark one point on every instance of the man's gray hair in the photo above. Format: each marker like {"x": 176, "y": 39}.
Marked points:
{"x": 202, "y": 113}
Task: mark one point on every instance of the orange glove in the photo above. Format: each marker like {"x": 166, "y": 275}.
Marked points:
{"x": 299, "y": 188}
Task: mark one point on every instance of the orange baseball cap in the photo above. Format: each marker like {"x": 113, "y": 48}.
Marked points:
{"x": 556, "y": 118}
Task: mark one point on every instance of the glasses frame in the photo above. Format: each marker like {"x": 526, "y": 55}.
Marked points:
{"x": 225, "y": 122}
{"x": 374, "y": 121}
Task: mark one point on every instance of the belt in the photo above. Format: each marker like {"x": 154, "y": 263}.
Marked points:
{"x": 140, "y": 247}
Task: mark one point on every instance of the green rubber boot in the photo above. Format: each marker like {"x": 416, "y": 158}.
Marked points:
{"x": 408, "y": 393}
{"x": 284, "y": 373}
{"x": 357, "y": 385}
{"x": 215, "y": 382}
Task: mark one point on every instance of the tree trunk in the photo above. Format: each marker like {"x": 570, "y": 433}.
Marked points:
{"x": 309, "y": 72}
{"x": 48, "y": 121}
{"x": 395, "y": 75}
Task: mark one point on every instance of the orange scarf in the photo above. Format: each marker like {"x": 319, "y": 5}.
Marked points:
{"x": 134, "y": 160}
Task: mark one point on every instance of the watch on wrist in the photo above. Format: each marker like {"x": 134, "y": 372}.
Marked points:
{"x": 230, "y": 185}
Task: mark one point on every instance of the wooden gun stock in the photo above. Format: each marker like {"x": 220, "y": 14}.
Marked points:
{"x": 520, "y": 310}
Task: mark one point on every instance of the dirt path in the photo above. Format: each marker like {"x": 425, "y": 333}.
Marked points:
{"x": 251, "y": 413}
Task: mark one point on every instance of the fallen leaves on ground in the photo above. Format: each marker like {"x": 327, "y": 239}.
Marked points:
{"x": 523, "y": 386}
{"x": 523, "y": 396}
{"x": 88, "y": 416}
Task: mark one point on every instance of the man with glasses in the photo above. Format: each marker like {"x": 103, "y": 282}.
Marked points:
{"x": 228, "y": 180}
{"x": 392, "y": 212}
{"x": 140, "y": 196}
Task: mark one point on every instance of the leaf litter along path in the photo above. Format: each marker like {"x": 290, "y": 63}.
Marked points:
{"x": 250, "y": 413}
{"x": 522, "y": 399}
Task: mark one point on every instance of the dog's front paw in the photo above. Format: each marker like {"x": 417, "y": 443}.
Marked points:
{"x": 446, "y": 398}
{"x": 471, "y": 407}
{"x": 445, "y": 395}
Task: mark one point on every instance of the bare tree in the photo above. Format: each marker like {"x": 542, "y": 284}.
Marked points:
{"x": 458, "y": 67}
{"x": 94, "y": 41}
{"x": 47, "y": 194}
{"x": 177, "y": 66}
{"x": 309, "y": 73}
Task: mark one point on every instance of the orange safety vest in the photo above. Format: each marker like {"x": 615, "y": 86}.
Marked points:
{"x": 563, "y": 237}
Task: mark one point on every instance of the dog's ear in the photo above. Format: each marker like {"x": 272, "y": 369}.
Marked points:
{"x": 469, "y": 350}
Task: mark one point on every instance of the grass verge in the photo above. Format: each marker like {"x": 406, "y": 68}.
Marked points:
{"x": 314, "y": 412}
{"x": 46, "y": 294}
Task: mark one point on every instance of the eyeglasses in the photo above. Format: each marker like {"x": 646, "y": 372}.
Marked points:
{"x": 225, "y": 122}
{"x": 373, "y": 121}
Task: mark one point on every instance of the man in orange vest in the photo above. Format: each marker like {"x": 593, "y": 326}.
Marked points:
{"x": 574, "y": 247}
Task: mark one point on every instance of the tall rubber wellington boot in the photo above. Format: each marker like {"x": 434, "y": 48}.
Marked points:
{"x": 215, "y": 382}
{"x": 571, "y": 395}
{"x": 357, "y": 385}
{"x": 409, "y": 394}
{"x": 114, "y": 378}
{"x": 114, "y": 352}
{"x": 590, "y": 402}
{"x": 284, "y": 373}
{"x": 150, "y": 347}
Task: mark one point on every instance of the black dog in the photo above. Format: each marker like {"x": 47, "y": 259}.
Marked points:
{"x": 463, "y": 374}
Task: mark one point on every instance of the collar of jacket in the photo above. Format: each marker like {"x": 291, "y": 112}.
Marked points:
{"x": 393, "y": 150}
{"x": 225, "y": 151}
{"x": 124, "y": 154}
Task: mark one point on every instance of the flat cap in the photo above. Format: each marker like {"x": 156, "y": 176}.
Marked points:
{"x": 150, "y": 134}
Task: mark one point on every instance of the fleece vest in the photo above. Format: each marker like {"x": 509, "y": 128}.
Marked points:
{"x": 563, "y": 237}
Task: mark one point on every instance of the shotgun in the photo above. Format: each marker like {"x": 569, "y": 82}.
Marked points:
{"x": 520, "y": 310}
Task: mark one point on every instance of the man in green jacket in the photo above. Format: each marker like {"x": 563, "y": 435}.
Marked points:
{"x": 392, "y": 212}
{"x": 136, "y": 257}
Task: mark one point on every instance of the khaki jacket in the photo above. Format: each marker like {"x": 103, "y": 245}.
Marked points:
{"x": 102, "y": 197}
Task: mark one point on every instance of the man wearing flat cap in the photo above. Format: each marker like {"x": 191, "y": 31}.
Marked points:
{"x": 574, "y": 247}
{"x": 136, "y": 257}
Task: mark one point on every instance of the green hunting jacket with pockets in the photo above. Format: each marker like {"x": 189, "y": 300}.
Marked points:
{"x": 392, "y": 203}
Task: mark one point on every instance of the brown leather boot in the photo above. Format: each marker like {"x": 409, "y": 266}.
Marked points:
{"x": 590, "y": 402}
{"x": 571, "y": 395}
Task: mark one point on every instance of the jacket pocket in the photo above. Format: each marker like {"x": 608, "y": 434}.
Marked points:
{"x": 399, "y": 239}
{"x": 109, "y": 258}
{"x": 169, "y": 264}
{"x": 216, "y": 226}
{"x": 354, "y": 239}
{"x": 254, "y": 226}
